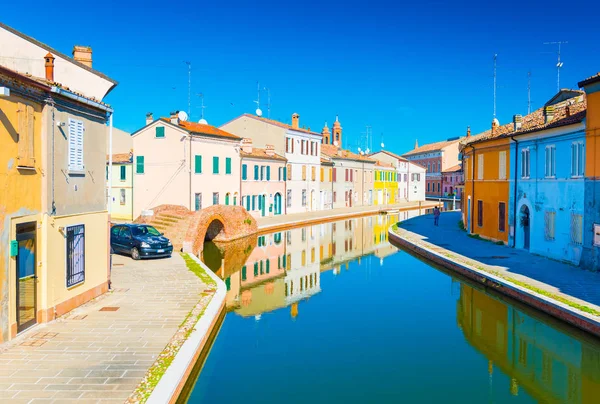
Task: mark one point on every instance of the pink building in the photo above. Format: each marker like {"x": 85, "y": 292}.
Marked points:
{"x": 452, "y": 178}
{"x": 264, "y": 178}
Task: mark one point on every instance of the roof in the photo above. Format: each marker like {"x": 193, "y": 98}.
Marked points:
{"x": 431, "y": 147}
{"x": 335, "y": 152}
{"x": 121, "y": 158}
{"x": 280, "y": 124}
{"x": 385, "y": 165}
{"x": 568, "y": 112}
{"x": 453, "y": 169}
{"x": 590, "y": 80}
{"x": 389, "y": 153}
{"x": 261, "y": 154}
{"x": 55, "y": 52}
{"x": 202, "y": 129}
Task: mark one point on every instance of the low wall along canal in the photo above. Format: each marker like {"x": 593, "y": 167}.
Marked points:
{"x": 335, "y": 312}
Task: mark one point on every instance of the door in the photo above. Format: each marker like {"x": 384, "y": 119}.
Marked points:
{"x": 526, "y": 227}
{"x": 26, "y": 276}
{"x": 278, "y": 204}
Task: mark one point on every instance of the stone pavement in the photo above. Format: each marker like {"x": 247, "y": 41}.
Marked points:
{"x": 573, "y": 283}
{"x": 267, "y": 222}
{"x": 101, "y": 351}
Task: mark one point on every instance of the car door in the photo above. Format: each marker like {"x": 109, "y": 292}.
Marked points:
{"x": 114, "y": 238}
{"x": 126, "y": 239}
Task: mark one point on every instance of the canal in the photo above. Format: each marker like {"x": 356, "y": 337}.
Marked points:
{"x": 335, "y": 313}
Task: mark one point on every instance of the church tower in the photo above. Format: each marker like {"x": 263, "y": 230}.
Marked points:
{"x": 326, "y": 134}
{"x": 337, "y": 133}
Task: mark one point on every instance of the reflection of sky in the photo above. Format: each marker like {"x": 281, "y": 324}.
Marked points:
{"x": 26, "y": 258}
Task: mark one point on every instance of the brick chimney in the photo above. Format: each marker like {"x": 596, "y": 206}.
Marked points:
{"x": 468, "y": 131}
{"x": 568, "y": 110}
{"x": 247, "y": 145}
{"x": 270, "y": 150}
{"x": 174, "y": 118}
{"x": 149, "y": 118}
{"x": 49, "y": 64}
{"x": 83, "y": 54}
{"x": 494, "y": 125}
{"x": 517, "y": 122}
{"x": 548, "y": 113}
{"x": 295, "y": 121}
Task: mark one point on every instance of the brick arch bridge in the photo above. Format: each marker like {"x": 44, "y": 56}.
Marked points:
{"x": 189, "y": 230}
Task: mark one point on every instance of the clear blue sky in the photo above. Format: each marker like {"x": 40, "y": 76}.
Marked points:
{"x": 419, "y": 70}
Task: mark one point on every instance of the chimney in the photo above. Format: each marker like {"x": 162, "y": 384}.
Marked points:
{"x": 468, "y": 131}
{"x": 548, "y": 113}
{"x": 83, "y": 54}
{"x": 517, "y": 122}
{"x": 295, "y": 121}
{"x": 270, "y": 150}
{"x": 247, "y": 145}
{"x": 494, "y": 125}
{"x": 568, "y": 110}
{"x": 49, "y": 67}
{"x": 174, "y": 118}
{"x": 149, "y": 118}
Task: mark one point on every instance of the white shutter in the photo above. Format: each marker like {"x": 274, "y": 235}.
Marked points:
{"x": 480, "y": 167}
{"x": 76, "y": 145}
{"x": 502, "y": 168}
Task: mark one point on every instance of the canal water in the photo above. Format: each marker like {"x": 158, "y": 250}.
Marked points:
{"x": 335, "y": 313}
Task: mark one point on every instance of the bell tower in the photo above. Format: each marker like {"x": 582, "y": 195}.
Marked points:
{"x": 337, "y": 132}
{"x": 326, "y": 134}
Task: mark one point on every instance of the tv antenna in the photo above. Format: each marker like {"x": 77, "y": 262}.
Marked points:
{"x": 189, "y": 65}
{"x": 528, "y": 93}
{"x": 202, "y": 120}
{"x": 268, "y": 102}
{"x": 258, "y": 111}
{"x": 495, "y": 58}
{"x": 559, "y": 64}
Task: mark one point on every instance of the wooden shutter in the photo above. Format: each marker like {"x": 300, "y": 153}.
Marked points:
{"x": 25, "y": 117}
{"x": 76, "y": 145}
{"x": 480, "y": 167}
{"x": 198, "y": 164}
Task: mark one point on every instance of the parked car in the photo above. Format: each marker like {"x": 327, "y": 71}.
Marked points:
{"x": 139, "y": 241}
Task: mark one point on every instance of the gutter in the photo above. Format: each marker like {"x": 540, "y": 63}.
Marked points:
{"x": 515, "y": 191}
{"x": 81, "y": 99}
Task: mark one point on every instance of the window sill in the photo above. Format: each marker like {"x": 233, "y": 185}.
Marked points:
{"x": 77, "y": 173}
{"x": 76, "y": 285}
{"x": 25, "y": 168}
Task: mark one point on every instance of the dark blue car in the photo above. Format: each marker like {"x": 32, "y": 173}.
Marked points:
{"x": 139, "y": 241}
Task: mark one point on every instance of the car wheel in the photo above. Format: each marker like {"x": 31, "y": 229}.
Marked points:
{"x": 135, "y": 253}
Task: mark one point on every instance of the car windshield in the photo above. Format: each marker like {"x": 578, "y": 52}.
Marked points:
{"x": 145, "y": 231}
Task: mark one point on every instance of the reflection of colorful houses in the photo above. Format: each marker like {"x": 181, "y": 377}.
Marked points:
{"x": 551, "y": 366}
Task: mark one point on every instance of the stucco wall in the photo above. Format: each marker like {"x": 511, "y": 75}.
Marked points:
{"x": 591, "y": 253}
{"x": 260, "y": 132}
{"x": 122, "y": 211}
{"x": 252, "y": 187}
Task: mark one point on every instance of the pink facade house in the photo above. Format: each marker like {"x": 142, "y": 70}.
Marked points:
{"x": 264, "y": 178}
{"x": 452, "y": 178}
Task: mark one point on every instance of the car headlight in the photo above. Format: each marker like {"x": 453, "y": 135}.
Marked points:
{"x": 169, "y": 243}
{"x": 145, "y": 245}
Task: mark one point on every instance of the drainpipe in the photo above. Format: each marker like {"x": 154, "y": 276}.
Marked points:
{"x": 515, "y": 191}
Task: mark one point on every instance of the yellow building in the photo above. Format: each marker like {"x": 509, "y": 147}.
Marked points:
{"x": 385, "y": 186}
{"x": 122, "y": 187}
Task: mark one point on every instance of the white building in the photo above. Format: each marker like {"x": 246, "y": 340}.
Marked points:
{"x": 411, "y": 176}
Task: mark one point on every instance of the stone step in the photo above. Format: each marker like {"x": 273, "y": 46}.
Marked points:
{"x": 164, "y": 222}
{"x": 169, "y": 216}
{"x": 166, "y": 219}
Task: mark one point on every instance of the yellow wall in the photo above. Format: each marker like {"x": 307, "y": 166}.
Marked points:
{"x": 491, "y": 190}
{"x": 593, "y": 131}
{"x": 122, "y": 211}
{"x": 380, "y": 184}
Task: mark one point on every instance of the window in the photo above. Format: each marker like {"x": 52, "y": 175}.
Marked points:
{"x": 26, "y": 156}
{"x": 502, "y": 165}
{"x": 256, "y": 269}
{"x": 228, "y": 165}
{"x": 480, "y": 213}
{"x": 198, "y": 164}
{"x": 313, "y": 173}
{"x": 215, "y": 165}
{"x": 429, "y": 167}
{"x": 502, "y": 216}
{"x": 312, "y": 255}
{"x": 576, "y": 229}
{"x": 480, "y": 167}
{"x": 577, "y": 159}
{"x": 287, "y": 145}
{"x": 549, "y": 223}
{"x": 289, "y": 198}
{"x": 123, "y": 173}
{"x": 525, "y": 163}
{"x": 198, "y": 201}
{"x": 139, "y": 164}
{"x": 227, "y": 197}
{"x": 268, "y": 173}
{"x": 75, "y": 255}
{"x": 289, "y": 172}
{"x": 428, "y": 184}
{"x": 550, "y": 162}
{"x": 244, "y": 172}
{"x": 322, "y": 174}
{"x": 122, "y": 196}
{"x": 215, "y": 198}
{"x": 253, "y": 202}
{"x": 303, "y": 173}
{"x": 244, "y": 275}
{"x": 438, "y": 184}
{"x": 76, "y": 130}
{"x": 304, "y": 197}
{"x": 303, "y": 264}
{"x": 262, "y": 173}
{"x": 159, "y": 131}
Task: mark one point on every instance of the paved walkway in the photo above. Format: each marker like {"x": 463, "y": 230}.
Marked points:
{"x": 265, "y": 223}
{"x": 93, "y": 355}
{"x": 573, "y": 283}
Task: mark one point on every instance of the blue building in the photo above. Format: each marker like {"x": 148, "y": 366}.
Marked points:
{"x": 546, "y": 202}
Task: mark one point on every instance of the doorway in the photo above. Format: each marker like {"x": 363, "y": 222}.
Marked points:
{"x": 278, "y": 203}
{"x": 525, "y": 223}
{"x": 263, "y": 205}
{"x": 26, "y": 276}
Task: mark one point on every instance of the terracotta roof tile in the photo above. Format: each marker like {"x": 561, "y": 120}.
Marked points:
{"x": 454, "y": 169}
{"x": 335, "y": 152}
{"x": 121, "y": 158}
{"x": 262, "y": 154}
{"x": 382, "y": 164}
{"x": 201, "y": 129}
{"x": 431, "y": 147}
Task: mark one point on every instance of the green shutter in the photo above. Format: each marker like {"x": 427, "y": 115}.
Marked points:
{"x": 268, "y": 173}
{"x": 244, "y": 171}
{"x": 123, "y": 173}
{"x": 256, "y": 269}
{"x": 215, "y": 165}
{"x": 198, "y": 164}
{"x": 228, "y": 283}
{"x": 244, "y": 273}
{"x": 228, "y": 165}
{"x": 139, "y": 164}
{"x": 160, "y": 131}
{"x": 256, "y": 172}
{"x": 268, "y": 265}
{"x": 285, "y": 173}
{"x": 226, "y": 199}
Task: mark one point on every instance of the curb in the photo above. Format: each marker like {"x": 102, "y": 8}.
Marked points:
{"x": 540, "y": 302}
{"x": 174, "y": 379}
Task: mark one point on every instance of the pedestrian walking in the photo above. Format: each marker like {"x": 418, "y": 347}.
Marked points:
{"x": 436, "y": 216}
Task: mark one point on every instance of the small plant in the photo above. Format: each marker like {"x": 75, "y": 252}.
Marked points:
{"x": 247, "y": 221}
{"x": 499, "y": 243}
{"x": 461, "y": 225}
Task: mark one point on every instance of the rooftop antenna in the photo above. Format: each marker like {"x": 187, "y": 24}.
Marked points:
{"x": 268, "y": 102}
{"x": 369, "y": 139}
{"x": 528, "y": 93}
{"x": 202, "y": 120}
{"x": 258, "y": 110}
{"x": 495, "y": 57}
{"x": 559, "y": 64}
{"x": 189, "y": 64}
{"x": 382, "y": 144}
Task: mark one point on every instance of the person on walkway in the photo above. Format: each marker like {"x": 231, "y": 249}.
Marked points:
{"x": 436, "y": 216}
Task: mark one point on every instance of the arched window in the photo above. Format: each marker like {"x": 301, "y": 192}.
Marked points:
{"x": 235, "y": 198}
{"x": 227, "y": 195}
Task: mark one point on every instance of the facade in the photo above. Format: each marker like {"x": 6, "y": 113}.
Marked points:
{"x": 411, "y": 176}
{"x": 54, "y": 227}
{"x": 452, "y": 178}
{"x": 263, "y": 180}
{"x": 326, "y": 186}
{"x": 435, "y": 157}
{"x": 121, "y": 198}
{"x": 302, "y": 149}
{"x": 184, "y": 163}
{"x": 385, "y": 188}
{"x": 353, "y": 177}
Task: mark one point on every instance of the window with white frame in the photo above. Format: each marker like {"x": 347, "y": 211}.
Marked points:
{"x": 502, "y": 165}
{"x": 576, "y": 229}
{"x": 550, "y": 162}
{"x": 76, "y": 130}
{"x": 549, "y": 222}
{"x": 577, "y": 159}
{"x": 304, "y": 197}
{"x": 525, "y": 163}
{"x": 480, "y": 167}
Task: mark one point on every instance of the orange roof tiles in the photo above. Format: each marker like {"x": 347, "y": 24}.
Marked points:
{"x": 261, "y": 154}
{"x": 201, "y": 129}
{"x": 382, "y": 164}
{"x": 121, "y": 158}
{"x": 431, "y": 147}
{"x": 453, "y": 169}
{"x": 335, "y": 152}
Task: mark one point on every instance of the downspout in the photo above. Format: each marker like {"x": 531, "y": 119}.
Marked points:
{"x": 515, "y": 192}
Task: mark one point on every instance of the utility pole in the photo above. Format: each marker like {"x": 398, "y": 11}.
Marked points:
{"x": 495, "y": 57}
{"x": 189, "y": 64}
{"x": 268, "y": 102}
{"x": 559, "y": 64}
{"x": 528, "y": 93}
